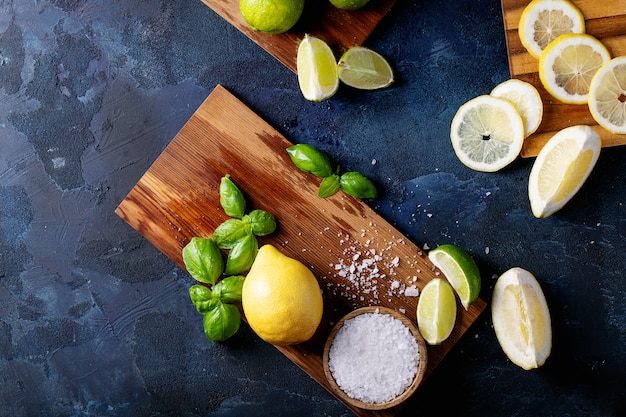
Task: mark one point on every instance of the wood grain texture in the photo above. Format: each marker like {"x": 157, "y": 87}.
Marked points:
{"x": 606, "y": 20}
{"x": 178, "y": 198}
{"x": 339, "y": 28}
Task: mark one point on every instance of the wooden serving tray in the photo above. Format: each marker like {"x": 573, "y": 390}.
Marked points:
{"x": 339, "y": 28}
{"x": 606, "y": 20}
{"x": 178, "y": 198}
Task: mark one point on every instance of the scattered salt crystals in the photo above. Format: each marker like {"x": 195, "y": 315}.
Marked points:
{"x": 426, "y": 247}
{"x": 412, "y": 291}
{"x": 487, "y": 250}
{"x": 374, "y": 162}
{"x": 373, "y": 358}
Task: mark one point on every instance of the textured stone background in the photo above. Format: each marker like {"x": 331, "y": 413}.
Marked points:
{"x": 94, "y": 321}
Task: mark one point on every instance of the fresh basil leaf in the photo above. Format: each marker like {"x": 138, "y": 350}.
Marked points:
{"x": 357, "y": 185}
{"x": 229, "y": 232}
{"x": 328, "y": 186}
{"x": 221, "y": 322}
{"x": 203, "y": 298}
{"x": 309, "y": 159}
{"x": 228, "y": 290}
{"x": 261, "y": 222}
{"x": 203, "y": 259}
{"x": 242, "y": 254}
{"x": 231, "y": 198}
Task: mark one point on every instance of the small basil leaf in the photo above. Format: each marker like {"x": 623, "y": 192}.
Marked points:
{"x": 228, "y": 290}
{"x": 202, "y": 298}
{"x": 227, "y": 233}
{"x": 203, "y": 259}
{"x": 357, "y": 185}
{"x": 309, "y": 159}
{"x": 231, "y": 198}
{"x": 262, "y": 222}
{"x": 328, "y": 186}
{"x": 241, "y": 256}
{"x": 221, "y": 322}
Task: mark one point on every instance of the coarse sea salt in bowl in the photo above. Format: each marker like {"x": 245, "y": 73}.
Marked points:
{"x": 374, "y": 358}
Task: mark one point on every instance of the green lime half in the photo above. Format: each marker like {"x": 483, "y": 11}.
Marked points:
{"x": 460, "y": 270}
{"x": 271, "y": 16}
{"x": 362, "y": 68}
{"x": 436, "y": 311}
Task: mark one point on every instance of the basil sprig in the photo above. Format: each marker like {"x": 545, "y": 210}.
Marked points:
{"x": 222, "y": 280}
{"x": 309, "y": 159}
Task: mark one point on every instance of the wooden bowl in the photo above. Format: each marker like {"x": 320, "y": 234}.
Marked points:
{"x": 419, "y": 375}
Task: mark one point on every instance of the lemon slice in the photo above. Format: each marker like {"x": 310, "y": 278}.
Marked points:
{"x": 363, "y": 68}
{"x": 487, "y": 133}
{"x": 460, "y": 270}
{"x": 607, "y": 96}
{"x": 526, "y": 100}
{"x": 317, "y": 69}
{"x": 568, "y": 64}
{"x": 561, "y": 168}
{"x": 436, "y": 311}
{"x": 521, "y": 318}
{"x": 542, "y": 21}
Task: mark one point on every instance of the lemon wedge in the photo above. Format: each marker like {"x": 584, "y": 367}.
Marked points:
{"x": 526, "y": 100}
{"x": 568, "y": 64}
{"x": 542, "y": 21}
{"x": 561, "y": 168}
{"x": 317, "y": 69}
{"x": 436, "y": 311}
{"x": 607, "y": 96}
{"x": 487, "y": 133}
{"x": 521, "y": 318}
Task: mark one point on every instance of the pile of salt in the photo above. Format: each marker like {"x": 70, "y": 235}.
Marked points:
{"x": 373, "y": 358}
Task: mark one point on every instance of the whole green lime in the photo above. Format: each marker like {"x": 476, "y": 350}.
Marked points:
{"x": 348, "y": 4}
{"x": 271, "y": 16}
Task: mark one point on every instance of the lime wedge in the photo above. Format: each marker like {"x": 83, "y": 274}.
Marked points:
{"x": 317, "y": 69}
{"x": 362, "y": 68}
{"x": 436, "y": 311}
{"x": 460, "y": 270}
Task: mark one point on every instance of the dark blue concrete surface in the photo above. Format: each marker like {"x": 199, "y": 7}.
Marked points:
{"x": 94, "y": 321}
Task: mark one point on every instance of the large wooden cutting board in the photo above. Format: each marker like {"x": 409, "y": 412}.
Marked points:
{"x": 339, "y": 28}
{"x": 178, "y": 198}
{"x": 606, "y": 20}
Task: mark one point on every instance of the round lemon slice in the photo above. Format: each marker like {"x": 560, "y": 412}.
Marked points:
{"x": 526, "y": 100}
{"x": 436, "y": 311}
{"x": 521, "y": 318}
{"x": 561, "y": 168}
{"x": 607, "y": 96}
{"x": 487, "y": 133}
{"x": 568, "y": 64}
{"x": 317, "y": 69}
{"x": 542, "y": 21}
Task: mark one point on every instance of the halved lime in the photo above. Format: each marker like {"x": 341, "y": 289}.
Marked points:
{"x": 362, "y": 68}
{"x": 460, "y": 270}
{"x": 436, "y": 311}
{"x": 317, "y": 69}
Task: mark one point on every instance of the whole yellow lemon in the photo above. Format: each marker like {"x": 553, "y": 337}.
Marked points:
{"x": 281, "y": 298}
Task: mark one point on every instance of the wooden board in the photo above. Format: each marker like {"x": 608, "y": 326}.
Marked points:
{"x": 178, "y": 198}
{"x": 606, "y": 20}
{"x": 339, "y": 28}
